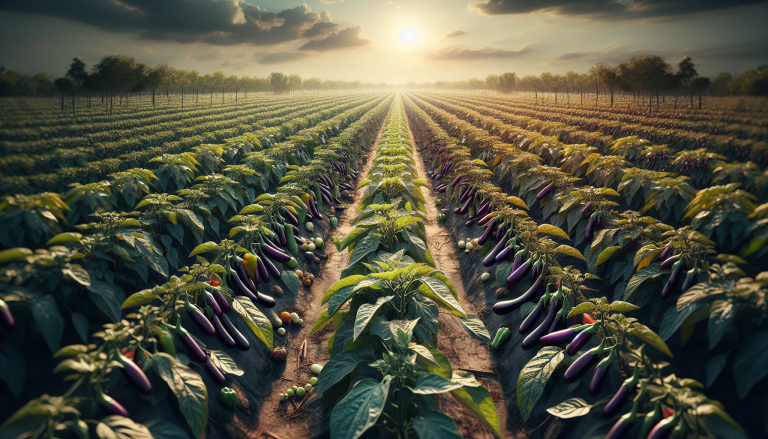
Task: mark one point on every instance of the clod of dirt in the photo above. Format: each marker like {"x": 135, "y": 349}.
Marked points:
{"x": 501, "y": 292}
{"x": 277, "y": 291}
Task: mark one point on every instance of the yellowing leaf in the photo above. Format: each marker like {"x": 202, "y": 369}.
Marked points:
{"x": 553, "y": 230}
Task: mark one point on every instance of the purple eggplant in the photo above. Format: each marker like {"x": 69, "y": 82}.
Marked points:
{"x": 487, "y": 234}
{"x": 281, "y": 236}
{"x": 135, "y": 375}
{"x": 108, "y": 404}
{"x": 262, "y": 269}
{"x": 663, "y": 430}
{"x": 581, "y": 339}
{"x": 291, "y": 218}
{"x": 543, "y": 193}
{"x": 557, "y": 324}
{"x": 469, "y": 223}
{"x": 533, "y": 317}
{"x": 589, "y": 232}
{"x": 195, "y": 352}
{"x": 200, "y": 321}
{"x": 508, "y": 306}
{"x": 275, "y": 254}
{"x": 598, "y": 222}
{"x": 598, "y": 379}
{"x": 266, "y": 301}
{"x": 666, "y": 263}
{"x": 690, "y": 279}
{"x": 212, "y": 303}
{"x": 586, "y": 209}
{"x": 676, "y": 269}
{"x": 456, "y": 181}
{"x": 559, "y": 337}
{"x": 504, "y": 253}
{"x": 240, "y": 341}
{"x": 215, "y": 373}
{"x": 620, "y": 429}
{"x": 241, "y": 289}
{"x": 533, "y": 338}
{"x": 484, "y": 220}
{"x": 666, "y": 253}
{"x": 222, "y": 333}
{"x": 517, "y": 273}
{"x": 622, "y": 395}
{"x": 490, "y": 258}
{"x": 245, "y": 279}
{"x": 582, "y": 364}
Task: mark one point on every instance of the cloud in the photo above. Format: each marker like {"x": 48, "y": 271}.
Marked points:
{"x": 217, "y": 22}
{"x": 606, "y": 9}
{"x": 455, "y": 33}
{"x": 452, "y": 53}
{"x": 281, "y": 57}
{"x": 349, "y": 37}
{"x": 330, "y": 2}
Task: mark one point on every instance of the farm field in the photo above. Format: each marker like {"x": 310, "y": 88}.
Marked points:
{"x": 394, "y": 263}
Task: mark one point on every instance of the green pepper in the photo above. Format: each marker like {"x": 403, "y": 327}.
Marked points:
{"x": 293, "y": 247}
{"x": 228, "y": 397}
{"x": 167, "y": 343}
{"x": 501, "y": 336}
{"x": 334, "y": 222}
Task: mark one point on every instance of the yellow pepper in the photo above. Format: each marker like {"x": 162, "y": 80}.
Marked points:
{"x": 249, "y": 262}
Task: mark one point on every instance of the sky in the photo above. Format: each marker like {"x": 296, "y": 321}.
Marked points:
{"x": 393, "y": 41}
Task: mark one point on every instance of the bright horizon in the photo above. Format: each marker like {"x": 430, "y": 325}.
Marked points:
{"x": 382, "y": 41}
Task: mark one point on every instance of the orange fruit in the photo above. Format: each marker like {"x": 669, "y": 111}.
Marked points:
{"x": 285, "y": 316}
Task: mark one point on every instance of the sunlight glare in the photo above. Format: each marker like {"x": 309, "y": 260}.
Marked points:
{"x": 408, "y": 36}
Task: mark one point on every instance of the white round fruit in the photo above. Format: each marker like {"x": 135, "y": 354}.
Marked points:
{"x": 461, "y": 244}
{"x": 294, "y": 318}
{"x": 281, "y": 331}
{"x": 485, "y": 276}
{"x": 310, "y": 227}
{"x": 469, "y": 246}
{"x": 311, "y": 246}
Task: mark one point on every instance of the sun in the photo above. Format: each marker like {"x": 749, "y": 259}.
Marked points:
{"x": 408, "y": 36}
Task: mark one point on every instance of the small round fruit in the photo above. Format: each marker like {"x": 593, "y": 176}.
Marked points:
{"x": 501, "y": 292}
{"x": 299, "y": 273}
{"x": 300, "y": 391}
{"x": 467, "y": 251}
{"x": 319, "y": 243}
{"x": 304, "y": 247}
{"x": 289, "y": 393}
{"x": 285, "y": 316}
{"x": 316, "y": 368}
{"x": 469, "y": 247}
{"x": 313, "y": 381}
{"x": 282, "y": 397}
{"x": 474, "y": 242}
{"x": 310, "y": 227}
{"x": 310, "y": 276}
{"x": 294, "y": 318}
{"x": 300, "y": 322}
{"x": 281, "y": 331}
{"x": 308, "y": 387}
{"x": 311, "y": 246}
{"x": 306, "y": 282}
{"x": 294, "y": 388}
{"x": 485, "y": 276}
{"x": 461, "y": 244}
{"x": 292, "y": 263}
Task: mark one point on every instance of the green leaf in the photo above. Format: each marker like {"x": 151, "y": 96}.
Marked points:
{"x": 673, "y": 318}
{"x": 721, "y": 315}
{"x": 14, "y": 254}
{"x": 367, "y": 245}
{"x": 534, "y": 376}
{"x": 569, "y": 251}
{"x": 107, "y": 298}
{"x": 433, "y": 384}
{"x": 570, "y": 408}
{"x": 141, "y": 298}
{"x": 423, "y": 352}
{"x": 255, "y": 319}
{"x": 435, "y": 425}
{"x": 65, "y": 238}
{"x": 346, "y": 282}
{"x": 28, "y": 418}
{"x": 209, "y": 246}
{"x": 720, "y": 422}
{"x": 120, "y": 427}
{"x": 553, "y": 230}
{"x": 366, "y": 313}
{"x": 479, "y": 401}
{"x": 224, "y": 362}
{"x": 647, "y": 335}
{"x": 476, "y": 328}
{"x": 714, "y": 366}
{"x": 619, "y": 306}
{"x": 13, "y": 363}
{"x": 581, "y": 308}
{"x": 650, "y": 272}
{"x": 322, "y": 320}
{"x": 749, "y": 363}
{"x": 189, "y": 389}
{"x": 437, "y": 291}
{"x": 360, "y": 409}
{"x": 502, "y": 271}
{"x": 342, "y": 365}
{"x": 442, "y": 366}
{"x": 606, "y": 254}
{"x": 291, "y": 281}
{"x": 49, "y": 320}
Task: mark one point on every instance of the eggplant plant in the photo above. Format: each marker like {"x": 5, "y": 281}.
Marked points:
{"x": 31, "y": 218}
{"x": 722, "y": 212}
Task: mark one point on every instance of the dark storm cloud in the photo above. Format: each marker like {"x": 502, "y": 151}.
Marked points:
{"x": 608, "y": 8}
{"x": 452, "y": 53}
{"x": 281, "y": 57}
{"x": 455, "y": 33}
{"x": 349, "y": 37}
{"x": 219, "y": 22}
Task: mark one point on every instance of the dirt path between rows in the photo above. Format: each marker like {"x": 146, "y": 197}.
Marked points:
{"x": 464, "y": 352}
{"x": 305, "y": 417}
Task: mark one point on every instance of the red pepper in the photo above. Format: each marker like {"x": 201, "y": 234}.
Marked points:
{"x": 588, "y": 319}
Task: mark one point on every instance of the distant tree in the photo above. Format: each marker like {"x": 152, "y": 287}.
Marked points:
{"x": 294, "y": 83}
{"x": 507, "y": 82}
{"x": 752, "y": 82}
{"x": 609, "y": 77}
{"x": 492, "y": 83}
{"x": 313, "y": 84}
{"x": 78, "y": 75}
{"x": 278, "y": 82}
{"x": 721, "y": 84}
{"x": 64, "y": 85}
{"x": 231, "y": 83}
{"x": 217, "y": 81}
{"x": 194, "y": 82}
{"x": 155, "y": 78}
{"x": 700, "y": 84}
{"x": 687, "y": 73}
{"x": 571, "y": 80}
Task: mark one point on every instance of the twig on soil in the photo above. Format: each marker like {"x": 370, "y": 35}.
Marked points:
{"x": 475, "y": 371}
{"x": 270, "y": 434}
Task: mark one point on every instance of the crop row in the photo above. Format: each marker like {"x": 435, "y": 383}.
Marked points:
{"x": 98, "y": 170}
{"x": 124, "y": 142}
{"x": 147, "y": 343}
{"x": 604, "y": 326}
{"x": 385, "y": 309}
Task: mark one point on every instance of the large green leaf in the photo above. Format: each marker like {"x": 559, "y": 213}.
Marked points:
{"x": 673, "y": 318}
{"x": 49, "y": 320}
{"x": 534, "y": 376}
{"x": 433, "y": 384}
{"x": 650, "y": 272}
{"x": 366, "y": 246}
{"x": 227, "y": 364}
{"x": 749, "y": 364}
{"x": 120, "y": 427}
{"x": 360, "y": 409}
{"x": 347, "y": 281}
{"x": 647, "y": 335}
{"x": 189, "y": 389}
{"x": 342, "y": 365}
{"x": 204, "y": 247}
{"x": 721, "y": 315}
{"x": 255, "y": 319}
{"x": 570, "y": 408}
{"x": 143, "y": 297}
{"x": 441, "y": 368}
{"x": 476, "y": 328}
{"x": 606, "y": 254}
{"x": 290, "y": 280}
{"x": 107, "y": 298}
{"x": 720, "y": 422}
{"x": 366, "y": 312}
{"x": 437, "y": 291}
{"x": 479, "y": 401}
{"x": 435, "y": 425}
{"x": 28, "y": 418}
{"x": 13, "y": 363}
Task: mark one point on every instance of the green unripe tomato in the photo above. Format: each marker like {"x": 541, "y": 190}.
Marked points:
{"x": 289, "y": 393}
{"x": 310, "y": 227}
{"x": 313, "y": 381}
{"x": 319, "y": 243}
{"x": 292, "y": 263}
{"x": 300, "y": 391}
{"x": 282, "y": 397}
{"x": 311, "y": 246}
{"x": 294, "y": 388}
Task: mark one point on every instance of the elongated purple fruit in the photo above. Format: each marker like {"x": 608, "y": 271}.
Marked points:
{"x": 281, "y": 236}
{"x": 676, "y": 269}
{"x": 200, "y": 320}
{"x": 517, "y": 273}
{"x": 581, "y": 339}
{"x": 222, "y": 333}
{"x": 668, "y": 262}
{"x": 275, "y": 254}
{"x": 6, "y": 318}
{"x": 266, "y": 301}
{"x": 666, "y": 253}
{"x": 543, "y": 193}
{"x": 533, "y": 317}
{"x": 484, "y": 208}
{"x": 620, "y": 429}
{"x": 598, "y": 221}
{"x": 215, "y": 373}
{"x": 586, "y": 209}
{"x": 263, "y": 273}
{"x": 663, "y": 429}
{"x": 240, "y": 341}
{"x": 245, "y": 279}
{"x": 443, "y": 189}
{"x": 465, "y": 207}
{"x": 291, "y": 218}
{"x": 484, "y": 220}
{"x": 487, "y": 234}
{"x": 490, "y": 258}
{"x": 533, "y": 338}
{"x": 135, "y": 375}
{"x": 617, "y": 402}
{"x": 240, "y": 288}
{"x": 501, "y": 233}
{"x": 590, "y": 229}
{"x": 195, "y": 352}
{"x": 598, "y": 379}
{"x": 469, "y": 223}
{"x": 212, "y": 303}
{"x": 221, "y": 301}
{"x": 108, "y": 404}
{"x": 559, "y": 337}
{"x": 580, "y": 367}
{"x": 456, "y": 181}
{"x": 557, "y": 324}
{"x": 508, "y": 306}
{"x": 504, "y": 253}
